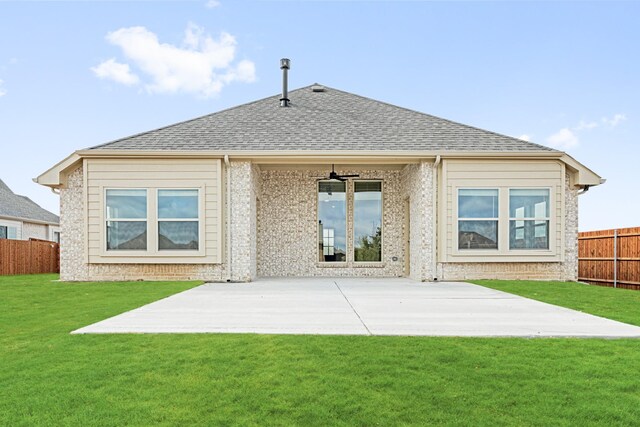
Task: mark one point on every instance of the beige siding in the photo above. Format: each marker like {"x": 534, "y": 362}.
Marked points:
{"x": 503, "y": 175}
{"x": 152, "y": 174}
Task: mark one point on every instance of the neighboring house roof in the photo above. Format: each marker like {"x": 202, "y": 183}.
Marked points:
{"x": 321, "y": 120}
{"x": 15, "y": 206}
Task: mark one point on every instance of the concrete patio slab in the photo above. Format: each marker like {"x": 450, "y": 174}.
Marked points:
{"x": 356, "y": 306}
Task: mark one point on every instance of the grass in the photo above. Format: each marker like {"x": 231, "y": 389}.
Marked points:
{"x": 617, "y": 304}
{"x": 49, "y": 377}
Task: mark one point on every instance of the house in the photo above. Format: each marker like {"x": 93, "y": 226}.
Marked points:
{"x": 23, "y": 219}
{"x": 319, "y": 182}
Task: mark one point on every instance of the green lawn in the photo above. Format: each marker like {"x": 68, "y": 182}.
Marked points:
{"x": 618, "y": 304}
{"x": 49, "y": 377}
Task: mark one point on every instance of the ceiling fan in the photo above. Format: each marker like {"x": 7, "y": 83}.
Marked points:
{"x": 334, "y": 176}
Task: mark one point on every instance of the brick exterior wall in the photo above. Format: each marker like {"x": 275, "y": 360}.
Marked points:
{"x": 417, "y": 186}
{"x": 35, "y": 231}
{"x": 288, "y": 231}
{"x": 245, "y": 187}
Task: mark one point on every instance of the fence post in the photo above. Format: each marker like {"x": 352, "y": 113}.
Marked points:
{"x": 615, "y": 258}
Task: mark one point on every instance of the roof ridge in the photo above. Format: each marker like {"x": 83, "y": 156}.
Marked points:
{"x": 442, "y": 118}
{"x": 4, "y": 186}
{"x": 191, "y": 120}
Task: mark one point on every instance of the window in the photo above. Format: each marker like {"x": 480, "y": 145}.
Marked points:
{"x": 478, "y": 213}
{"x": 8, "y": 232}
{"x": 367, "y": 221}
{"x": 178, "y": 220}
{"x": 126, "y": 218}
{"x": 56, "y": 236}
{"x": 332, "y": 221}
{"x": 328, "y": 242}
{"x": 529, "y": 219}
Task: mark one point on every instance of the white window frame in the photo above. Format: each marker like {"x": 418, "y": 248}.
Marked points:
{"x": 199, "y": 220}
{"x": 152, "y": 250}
{"x": 504, "y": 253}
{"x": 124, "y": 252}
{"x": 535, "y": 218}
{"x": 17, "y": 225}
{"x": 496, "y": 219}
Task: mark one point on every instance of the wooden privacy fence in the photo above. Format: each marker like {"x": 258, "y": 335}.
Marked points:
{"x": 29, "y": 257}
{"x": 610, "y": 257}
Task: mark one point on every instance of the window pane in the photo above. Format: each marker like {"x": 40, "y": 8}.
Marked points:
{"x": 177, "y": 203}
{"x": 528, "y": 234}
{"x": 178, "y": 235}
{"x": 127, "y": 204}
{"x": 332, "y": 221}
{"x": 533, "y": 203}
{"x": 478, "y": 203}
{"x": 3, "y": 232}
{"x": 477, "y": 234}
{"x": 367, "y": 221}
{"x": 12, "y": 232}
{"x": 126, "y": 235}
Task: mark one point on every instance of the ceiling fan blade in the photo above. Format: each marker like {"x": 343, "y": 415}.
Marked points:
{"x": 349, "y": 176}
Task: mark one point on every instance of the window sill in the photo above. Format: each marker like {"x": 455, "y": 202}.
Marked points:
{"x": 350, "y": 264}
{"x": 332, "y": 264}
{"x": 506, "y": 254}
{"x": 368, "y": 265}
{"x": 151, "y": 254}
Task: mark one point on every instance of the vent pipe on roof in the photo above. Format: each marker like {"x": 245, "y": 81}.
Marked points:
{"x": 285, "y": 64}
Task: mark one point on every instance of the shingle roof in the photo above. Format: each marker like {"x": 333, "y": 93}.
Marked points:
{"x": 16, "y": 206}
{"x": 328, "y": 120}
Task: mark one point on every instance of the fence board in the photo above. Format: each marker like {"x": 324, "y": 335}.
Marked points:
{"x": 600, "y": 264}
{"x": 28, "y": 257}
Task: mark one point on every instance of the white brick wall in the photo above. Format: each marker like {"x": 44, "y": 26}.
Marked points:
{"x": 417, "y": 185}
{"x": 34, "y": 231}
{"x": 287, "y": 226}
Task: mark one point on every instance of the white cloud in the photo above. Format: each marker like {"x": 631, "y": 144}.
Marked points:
{"x": 212, "y": 4}
{"x": 586, "y": 125}
{"x": 563, "y": 139}
{"x": 615, "y": 120}
{"x": 3, "y": 92}
{"x": 112, "y": 70}
{"x": 567, "y": 138}
{"x": 202, "y": 65}
{"x": 525, "y": 137}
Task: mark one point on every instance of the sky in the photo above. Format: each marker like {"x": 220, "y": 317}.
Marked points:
{"x": 564, "y": 74}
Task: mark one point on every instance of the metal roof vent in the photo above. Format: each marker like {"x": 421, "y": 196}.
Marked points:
{"x": 317, "y": 88}
{"x": 285, "y": 64}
